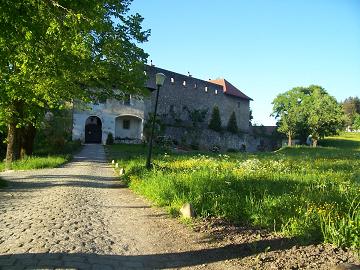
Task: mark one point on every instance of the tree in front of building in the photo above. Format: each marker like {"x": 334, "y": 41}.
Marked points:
{"x": 55, "y": 52}
{"x": 232, "y": 124}
{"x": 215, "y": 120}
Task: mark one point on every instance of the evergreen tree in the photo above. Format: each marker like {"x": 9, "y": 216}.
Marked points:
{"x": 232, "y": 124}
{"x": 215, "y": 121}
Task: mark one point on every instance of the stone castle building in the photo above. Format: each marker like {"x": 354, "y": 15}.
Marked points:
{"x": 179, "y": 97}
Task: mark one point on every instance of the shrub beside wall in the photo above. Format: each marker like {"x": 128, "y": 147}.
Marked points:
{"x": 215, "y": 121}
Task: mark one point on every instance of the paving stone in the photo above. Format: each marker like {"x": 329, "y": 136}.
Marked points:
{"x": 65, "y": 218}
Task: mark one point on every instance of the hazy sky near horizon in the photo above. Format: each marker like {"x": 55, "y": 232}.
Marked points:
{"x": 262, "y": 47}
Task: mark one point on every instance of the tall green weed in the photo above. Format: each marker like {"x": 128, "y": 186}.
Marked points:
{"x": 304, "y": 192}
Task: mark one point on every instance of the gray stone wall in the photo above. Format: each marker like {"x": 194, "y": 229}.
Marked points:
{"x": 181, "y": 93}
{"x": 207, "y": 139}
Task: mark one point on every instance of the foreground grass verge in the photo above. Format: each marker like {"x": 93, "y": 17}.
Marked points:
{"x": 45, "y": 159}
{"x": 313, "y": 194}
{"x": 31, "y": 163}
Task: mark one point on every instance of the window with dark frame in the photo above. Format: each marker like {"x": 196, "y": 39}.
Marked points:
{"x": 126, "y": 124}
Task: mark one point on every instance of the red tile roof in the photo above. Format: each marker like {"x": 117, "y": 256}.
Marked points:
{"x": 229, "y": 89}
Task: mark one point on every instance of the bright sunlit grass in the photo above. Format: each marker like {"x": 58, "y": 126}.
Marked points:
{"x": 311, "y": 193}
{"x": 37, "y": 162}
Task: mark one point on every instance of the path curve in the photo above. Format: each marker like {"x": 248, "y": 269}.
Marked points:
{"x": 79, "y": 216}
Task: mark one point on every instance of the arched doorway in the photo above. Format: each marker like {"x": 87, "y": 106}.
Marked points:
{"x": 93, "y": 130}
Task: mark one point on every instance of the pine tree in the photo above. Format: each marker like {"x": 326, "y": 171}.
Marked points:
{"x": 215, "y": 121}
{"x": 232, "y": 124}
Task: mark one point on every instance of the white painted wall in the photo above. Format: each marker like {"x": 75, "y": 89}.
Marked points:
{"x": 135, "y": 130}
{"x": 107, "y": 112}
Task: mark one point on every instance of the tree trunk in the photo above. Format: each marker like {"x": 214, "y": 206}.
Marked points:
{"x": 27, "y": 140}
{"x": 11, "y": 148}
{"x": 289, "y": 139}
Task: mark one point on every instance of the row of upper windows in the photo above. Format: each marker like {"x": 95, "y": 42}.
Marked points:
{"x": 206, "y": 88}
{"x": 184, "y": 83}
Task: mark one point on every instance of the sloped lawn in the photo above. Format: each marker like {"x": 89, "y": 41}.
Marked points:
{"x": 310, "y": 193}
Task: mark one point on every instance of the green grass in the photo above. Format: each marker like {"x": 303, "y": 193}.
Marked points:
{"x": 45, "y": 158}
{"x": 31, "y": 163}
{"x": 310, "y": 193}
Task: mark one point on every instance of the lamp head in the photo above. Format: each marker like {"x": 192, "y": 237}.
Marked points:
{"x": 160, "y": 78}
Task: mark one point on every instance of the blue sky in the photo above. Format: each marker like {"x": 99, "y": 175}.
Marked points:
{"x": 262, "y": 47}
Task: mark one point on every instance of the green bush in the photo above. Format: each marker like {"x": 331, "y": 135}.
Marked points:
{"x": 215, "y": 121}
{"x": 110, "y": 139}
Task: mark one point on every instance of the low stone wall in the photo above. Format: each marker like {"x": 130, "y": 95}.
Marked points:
{"x": 207, "y": 139}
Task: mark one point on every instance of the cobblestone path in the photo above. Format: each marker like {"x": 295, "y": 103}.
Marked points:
{"x": 80, "y": 217}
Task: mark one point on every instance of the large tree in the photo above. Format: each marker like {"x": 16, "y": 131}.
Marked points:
{"x": 324, "y": 115}
{"x": 55, "y": 51}
{"x": 308, "y": 110}
{"x": 288, "y": 111}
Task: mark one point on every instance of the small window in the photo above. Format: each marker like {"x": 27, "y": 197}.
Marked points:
{"x": 127, "y": 99}
{"x": 145, "y": 73}
{"x": 216, "y": 92}
{"x": 184, "y": 83}
{"x": 238, "y": 104}
{"x": 126, "y": 124}
{"x": 172, "y": 80}
{"x": 171, "y": 110}
{"x": 206, "y": 88}
{"x": 195, "y": 85}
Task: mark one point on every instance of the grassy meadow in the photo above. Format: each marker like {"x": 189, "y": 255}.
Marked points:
{"x": 310, "y": 193}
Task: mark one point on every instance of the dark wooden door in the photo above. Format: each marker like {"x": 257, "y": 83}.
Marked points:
{"x": 93, "y": 133}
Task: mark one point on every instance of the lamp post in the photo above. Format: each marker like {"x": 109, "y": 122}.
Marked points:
{"x": 160, "y": 78}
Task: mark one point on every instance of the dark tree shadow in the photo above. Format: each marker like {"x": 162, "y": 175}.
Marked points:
{"x": 148, "y": 261}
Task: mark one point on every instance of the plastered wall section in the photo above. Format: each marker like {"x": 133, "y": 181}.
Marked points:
{"x": 110, "y": 114}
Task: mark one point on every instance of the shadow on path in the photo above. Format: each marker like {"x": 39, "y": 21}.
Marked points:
{"x": 151, "y": 261}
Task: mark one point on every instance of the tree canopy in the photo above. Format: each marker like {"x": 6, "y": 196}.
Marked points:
{"x": 54, "y": 51}
{"x": 308, "y": 110}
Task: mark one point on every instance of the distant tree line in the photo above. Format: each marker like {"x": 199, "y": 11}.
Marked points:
{"x": 351, "y": 107}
